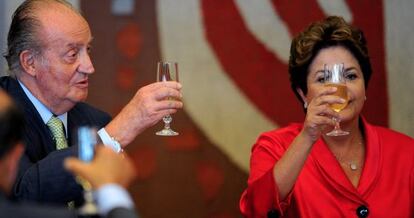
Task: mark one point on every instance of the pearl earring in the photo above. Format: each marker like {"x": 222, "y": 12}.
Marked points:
{"x": 305, "y": 105}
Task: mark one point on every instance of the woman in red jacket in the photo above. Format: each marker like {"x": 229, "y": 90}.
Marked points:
{"x": 299, "y": 171}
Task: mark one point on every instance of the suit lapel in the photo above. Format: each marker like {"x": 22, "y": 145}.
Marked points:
{"x": 37, "y": 136}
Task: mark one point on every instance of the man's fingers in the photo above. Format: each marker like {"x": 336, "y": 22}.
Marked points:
{"x": 165, "y": 93}
{"x": 167, "y": 105}
{"x": 74, "y": 165}
{"x": 164, "y": 113}
{"x": 172, "y": 84}
{"x": 168, "y": 84}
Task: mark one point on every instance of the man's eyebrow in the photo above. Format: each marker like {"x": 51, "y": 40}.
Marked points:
{"x": 77, "y": 44}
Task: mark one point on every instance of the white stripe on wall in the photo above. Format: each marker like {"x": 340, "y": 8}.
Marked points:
{"x": 211, "y": 98}
{"x": 266, "y": 26}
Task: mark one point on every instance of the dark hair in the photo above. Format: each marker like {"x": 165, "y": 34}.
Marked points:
{"x": 11, "y": 126}
{"x": 333, "y": 31}
{"x": 23, "y": 33}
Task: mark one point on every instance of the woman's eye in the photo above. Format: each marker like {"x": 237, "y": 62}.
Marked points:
{"x": 321, "y": 80}
{"x": 351, "y": 76}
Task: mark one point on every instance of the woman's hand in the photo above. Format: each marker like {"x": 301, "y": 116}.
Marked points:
{"x": 319, "y": 114}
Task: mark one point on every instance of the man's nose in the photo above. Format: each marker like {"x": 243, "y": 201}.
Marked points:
{"x": 86, "y": 65}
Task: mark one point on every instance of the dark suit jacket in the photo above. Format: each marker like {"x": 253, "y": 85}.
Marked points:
{"x": 41, "y": 176}
{"x": 10, "y": 209}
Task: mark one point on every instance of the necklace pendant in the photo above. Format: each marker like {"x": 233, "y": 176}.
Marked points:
{"x": 353, "y": 166}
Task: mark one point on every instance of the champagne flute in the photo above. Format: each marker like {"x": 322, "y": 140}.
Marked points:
{"x": 167, "y": 71}
{"x": 86, "y": 139}
{"x": 334, "y": 77}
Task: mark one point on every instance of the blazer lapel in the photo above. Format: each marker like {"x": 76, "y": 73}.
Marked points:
{"x": 334, "y": 175}
{"x": 373, "y": 161}
{"x": 37, "y": 132}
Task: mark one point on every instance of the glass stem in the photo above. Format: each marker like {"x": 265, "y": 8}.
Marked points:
{"x": 167, "y": 120}
{"x": 337, "y": 125}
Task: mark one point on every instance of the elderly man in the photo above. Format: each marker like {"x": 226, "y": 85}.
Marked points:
{"x": 104, "y": 173}
{"x": 48, "y": 57}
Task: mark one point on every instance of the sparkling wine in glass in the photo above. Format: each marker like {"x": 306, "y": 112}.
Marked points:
{"x": 86, "y": 140}
{"x": 167, "y": 71}
{"x": 334, "y": 77}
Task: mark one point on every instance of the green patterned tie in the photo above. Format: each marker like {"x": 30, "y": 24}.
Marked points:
{"x": 56, "y": 127}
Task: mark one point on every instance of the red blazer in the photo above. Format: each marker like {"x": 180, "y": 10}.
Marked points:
{"x": 386, "y": 186}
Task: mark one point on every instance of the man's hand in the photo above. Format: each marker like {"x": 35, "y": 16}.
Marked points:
{"x": 149, "y": 105}
{"x": 107, "y": 167}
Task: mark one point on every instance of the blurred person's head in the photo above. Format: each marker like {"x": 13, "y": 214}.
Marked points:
{"x": 322, "y": 36}
{"x": 48, "y": 51}
{"x": 11, "y": 147}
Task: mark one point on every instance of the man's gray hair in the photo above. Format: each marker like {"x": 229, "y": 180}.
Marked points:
{"x": 23, "y": 33}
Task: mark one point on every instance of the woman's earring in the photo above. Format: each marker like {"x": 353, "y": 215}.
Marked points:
{"x": 365, "y": 97}
{"x": 305, "y": 105}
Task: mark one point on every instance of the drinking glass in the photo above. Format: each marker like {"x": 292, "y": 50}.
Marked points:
{"x": 334, "y": 77}
{"x": 167, "y": 71}
{"x": 86, "y": 140}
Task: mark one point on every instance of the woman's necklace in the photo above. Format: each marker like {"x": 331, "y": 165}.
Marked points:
{"x": 352, "y": 164}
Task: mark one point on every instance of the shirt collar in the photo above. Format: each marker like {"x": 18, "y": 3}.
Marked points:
{"x": 44, "y": 112}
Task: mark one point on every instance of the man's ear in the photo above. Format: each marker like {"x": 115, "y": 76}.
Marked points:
{"x": 27, "y": 61}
